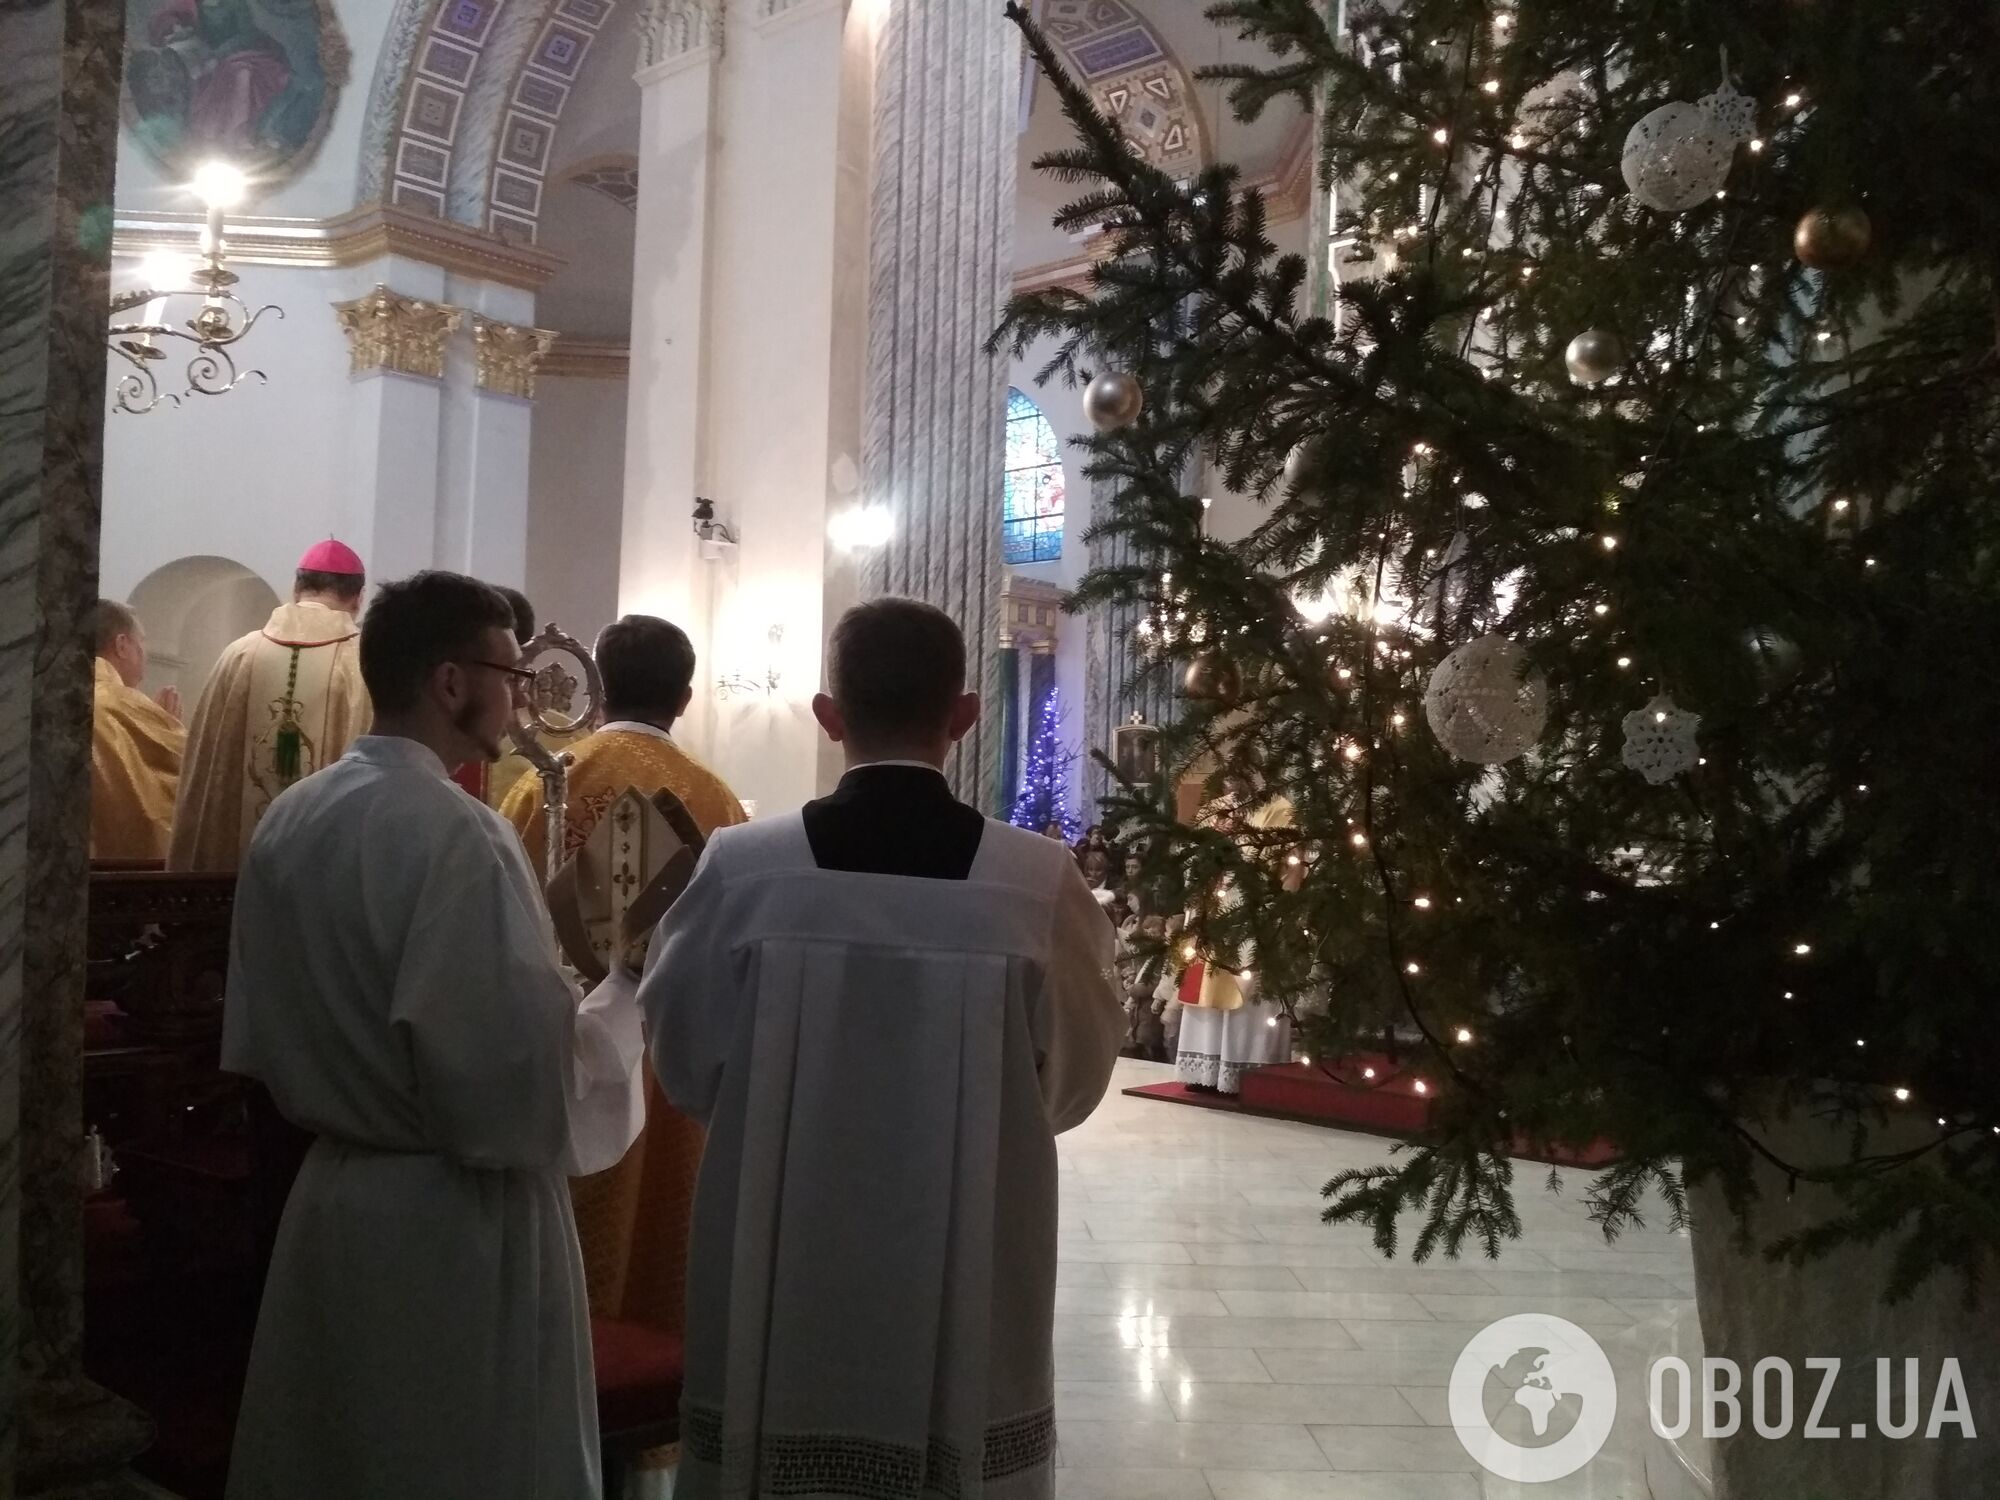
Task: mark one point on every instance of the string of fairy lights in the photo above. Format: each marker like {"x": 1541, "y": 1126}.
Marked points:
{"x": 1671, "y": 360}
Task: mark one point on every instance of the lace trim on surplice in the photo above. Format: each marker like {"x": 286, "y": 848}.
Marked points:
{"x": 865, "y": 1468}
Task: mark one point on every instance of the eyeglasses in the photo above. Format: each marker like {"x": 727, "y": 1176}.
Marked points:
{"x": 524, "y": 677}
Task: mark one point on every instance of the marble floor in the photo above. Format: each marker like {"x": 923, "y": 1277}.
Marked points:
{"x": 1215, "y": 1341}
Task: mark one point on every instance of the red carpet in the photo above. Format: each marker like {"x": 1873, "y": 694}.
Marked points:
{"x": 1346, "y": 1096}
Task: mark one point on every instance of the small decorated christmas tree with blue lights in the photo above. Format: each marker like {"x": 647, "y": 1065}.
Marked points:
{"x": 1044, "y": 795}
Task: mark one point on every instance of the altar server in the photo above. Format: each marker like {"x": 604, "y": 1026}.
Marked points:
{"x": 281, "y": 703}
{"x": 393, "y": 981}
{"x": 885, "y": 1007}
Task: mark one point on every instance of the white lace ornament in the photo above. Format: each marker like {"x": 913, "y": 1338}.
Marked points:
{"x": 1679, "y": 155}
{"x": 1483, "y": 705}
{"x": 1659, "y": 740}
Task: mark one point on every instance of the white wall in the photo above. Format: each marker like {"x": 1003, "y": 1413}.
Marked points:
{"x": 410, "y": 472}
{"x": 256, "y": 475}
{"x": 576, "y": 479}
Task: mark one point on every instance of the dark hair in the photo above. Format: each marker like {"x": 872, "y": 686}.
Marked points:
{"x": 893, "y": 667}
{"x": 647, "y": 664}
{"x": 110, "y": 621}
{"x": 418, "y": 623}
{"x": 524, "y": 613}
{"x": 341, "y": 585}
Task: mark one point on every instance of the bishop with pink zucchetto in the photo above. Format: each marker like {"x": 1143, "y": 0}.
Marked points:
{"x": 282, "y": 702}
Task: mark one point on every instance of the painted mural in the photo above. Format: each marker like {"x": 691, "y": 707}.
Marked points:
{"x": 253, "y": 82}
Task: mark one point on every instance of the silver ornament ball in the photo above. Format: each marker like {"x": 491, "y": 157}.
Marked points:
{"x": 1483, "y": 703}
{"x": 1676, "y": 157}
{"x": 1113, "y": 400}
{"x": 1594, "y": 356}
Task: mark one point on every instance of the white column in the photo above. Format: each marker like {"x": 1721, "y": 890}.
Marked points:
{"x": 659, "y": 571}
{"x": 748, "y": 331}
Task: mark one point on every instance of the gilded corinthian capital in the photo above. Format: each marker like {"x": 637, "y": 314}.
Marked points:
{"x": 509, "y": 355}
{"x": 389, "y": 331}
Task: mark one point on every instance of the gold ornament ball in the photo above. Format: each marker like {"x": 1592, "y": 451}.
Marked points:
{"x": 1113, "y": 400}
{"x": 1594, "y": 356}
{"x": 1213, "y": 678}
{"x": 1832, "y": 239}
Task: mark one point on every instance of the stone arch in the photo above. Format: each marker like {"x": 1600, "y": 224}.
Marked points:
{"x": 191, "y": 608}
{"x": 1111, "y": 48}
{"x": 465, "y": 105}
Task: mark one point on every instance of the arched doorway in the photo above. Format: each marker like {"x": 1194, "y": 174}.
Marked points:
{"x": 192, "y": 608}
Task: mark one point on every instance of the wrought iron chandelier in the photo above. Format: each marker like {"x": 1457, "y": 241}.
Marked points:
{"x": 221, "y": 322}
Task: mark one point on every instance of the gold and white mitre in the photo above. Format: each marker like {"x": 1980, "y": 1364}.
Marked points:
{"x": 609, "y": 896}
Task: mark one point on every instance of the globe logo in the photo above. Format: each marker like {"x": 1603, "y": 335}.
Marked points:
{"x": 1533, "y": 1398}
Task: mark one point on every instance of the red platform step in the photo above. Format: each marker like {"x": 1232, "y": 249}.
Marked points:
{"x": 1344, "y": 1095}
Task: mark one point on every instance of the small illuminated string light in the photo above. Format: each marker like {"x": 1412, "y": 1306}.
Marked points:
{"x": 1789, "y": 995}
{"x": 1601, "y": 609}
{"x": 1840, "y": 505}
{"x": 1518, "y": 141}
{"x": 1862, "y": 788}
{"x": 1440, "y": 135}
{"x": 1801, "y": 949}
{"x": 1353, "y": 751}
{"x": 1609, "y": 543}
{"x": 1712, "y": 926}
{"x": 1273, "y": 1021}
{"x": 1292, "y": 859}
{"x": 1861, "y": 1041}
{"x": 1658, "y": 717}
{"x": 1345, "y": 673}
{"x": 1358, "y": 840}
{"x": 1756, "y": 145}
{"x": 1868, "y": 562}
{"x": 1464, "y": 1035}
{"x": 1902, "y": 1096}
{"x": 1399, "y": 719}
{"x": 1422, "y": 1087}
{"x": 1422, "y": 903}
{"x": 1624, "y": 661}
{"x": 1822, "y": 336}
{"x": 1187, "y": 950}
{"x": 1794, "y": 100}
{"x": 1367, "y": 1072}
{"x": 1491, "y": 86}
{"x": 1413, "y": 967}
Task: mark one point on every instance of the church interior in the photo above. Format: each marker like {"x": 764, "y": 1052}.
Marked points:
{"x": 689, "y": 309}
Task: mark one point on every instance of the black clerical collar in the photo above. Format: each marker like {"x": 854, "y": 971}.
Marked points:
{"x": 894, "y": 818}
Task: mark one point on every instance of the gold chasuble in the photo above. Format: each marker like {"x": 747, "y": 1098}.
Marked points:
{"x": 135, "y": 765}
{"x": 282, "y": 703}
{"x": 632, "y": 1221}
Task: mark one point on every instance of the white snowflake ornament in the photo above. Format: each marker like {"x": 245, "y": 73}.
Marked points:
{"x": 1679, "y": 155}
{"x": 1659, "y": 740}
{"x": 1482, "y": 703}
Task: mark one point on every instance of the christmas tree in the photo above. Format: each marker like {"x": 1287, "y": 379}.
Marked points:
{"x": 1626, "y": 580}
{"x": 1044, "y": 795}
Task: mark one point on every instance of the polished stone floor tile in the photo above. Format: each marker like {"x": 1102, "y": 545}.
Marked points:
{"x": 1215, "y": 1340}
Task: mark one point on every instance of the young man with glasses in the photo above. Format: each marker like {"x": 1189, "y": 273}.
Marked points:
{"x": 393, "y": 982}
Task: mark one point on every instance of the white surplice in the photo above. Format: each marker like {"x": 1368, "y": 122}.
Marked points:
{"x": 883, "y": 1062}
{"x": 393, "y": 981}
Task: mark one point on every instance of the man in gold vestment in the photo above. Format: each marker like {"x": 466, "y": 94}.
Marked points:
{"x": 135, "y": 746}
{"x": 633, "y": 1219}
{"x": 282, "y": 702}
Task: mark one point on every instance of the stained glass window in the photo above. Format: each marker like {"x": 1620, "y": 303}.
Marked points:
{"x": 1031, "y": 513}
